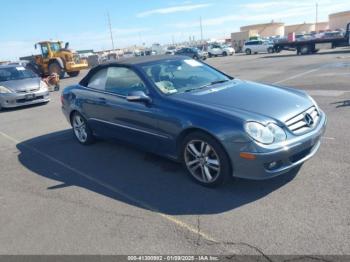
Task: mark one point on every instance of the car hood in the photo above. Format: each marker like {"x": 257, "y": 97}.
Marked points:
{"x": 236, "y": 96}
{"x": 28, "y": 84}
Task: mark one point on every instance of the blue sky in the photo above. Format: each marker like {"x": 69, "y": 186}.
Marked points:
{"x": 84, "y": 22}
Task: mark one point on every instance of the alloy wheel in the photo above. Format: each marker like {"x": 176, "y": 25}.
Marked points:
{"x": 202, "y": 161}
{"x": 79, "y": 127}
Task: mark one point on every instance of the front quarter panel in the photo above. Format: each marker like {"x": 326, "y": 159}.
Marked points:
{"x": 177, "y": 119}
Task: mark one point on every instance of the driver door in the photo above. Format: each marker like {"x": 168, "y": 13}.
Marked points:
{"x": 111, "y": 114}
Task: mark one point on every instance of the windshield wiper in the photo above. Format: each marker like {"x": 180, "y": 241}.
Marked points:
{"x": 215, "y": 82}
{"x": 207, "y": 85}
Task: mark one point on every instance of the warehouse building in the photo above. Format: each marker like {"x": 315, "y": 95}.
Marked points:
{"x": 266, "y": 30}
{"x": 304, "y": 28}
{"x": 321, "y": 26}
{"x": 339, "y": 20}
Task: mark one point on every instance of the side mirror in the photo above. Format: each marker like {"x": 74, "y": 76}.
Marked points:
{"x": 35, "y": 46}
{"x": 138, "y": 96}
{"x": 66, "y": 46}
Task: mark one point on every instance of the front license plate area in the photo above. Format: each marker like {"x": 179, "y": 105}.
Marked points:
{"x": 29, "y": 96}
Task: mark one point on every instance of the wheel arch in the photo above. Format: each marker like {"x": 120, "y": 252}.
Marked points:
{"x": 71, "y": 115}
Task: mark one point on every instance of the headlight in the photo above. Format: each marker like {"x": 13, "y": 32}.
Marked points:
{"x": 265, "y": 134}
{"x": 4, "y": 90}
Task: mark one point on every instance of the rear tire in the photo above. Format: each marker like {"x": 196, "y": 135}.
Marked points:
{"x": 73, "y": 74}
{"x": 205, "y": 159}
{"x": 210, "y": 55}
{"x": 81, "y": 130}
{"x": 224, "y": 53}
{"x": 270, "y": 50}
{"x": 248, "y": 51}
{"x": 55, "y": 67}
{"x": 304, "y": 50}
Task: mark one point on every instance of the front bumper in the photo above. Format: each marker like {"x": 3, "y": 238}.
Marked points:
{"x": 292, "y": 153}
{"x": 12, "y": 100}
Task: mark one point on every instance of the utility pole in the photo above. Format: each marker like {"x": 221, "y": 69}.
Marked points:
{"x": 200, "y": 24}
{"x": 316, "y": 26}
{"x": 110, "y": 30}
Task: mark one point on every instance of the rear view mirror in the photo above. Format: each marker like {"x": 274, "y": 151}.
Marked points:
{"x": 138, "y": 96}
{"x": 66, "y": 46}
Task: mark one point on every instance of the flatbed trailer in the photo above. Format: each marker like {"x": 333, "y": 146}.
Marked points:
{"x": 314, "y": 45}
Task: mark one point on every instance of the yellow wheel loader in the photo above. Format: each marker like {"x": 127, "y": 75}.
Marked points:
{"x": 55, "y": 59}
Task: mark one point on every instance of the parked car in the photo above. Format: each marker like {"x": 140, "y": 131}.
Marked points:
{"x": 258, "y": 46}
{"x": 192, "y": 52}
{"x": 170, "y": 50}
{"x": 220, "y": 50}
{"x": 218, "y": 126}
{"x": 20, "y": 86}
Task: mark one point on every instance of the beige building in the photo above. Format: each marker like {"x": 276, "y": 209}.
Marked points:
{"x": 322, "y": 26}
{"x": 266, "y": 30}
{"x": 304, "y": 28}
{"x": 339, "y": 20}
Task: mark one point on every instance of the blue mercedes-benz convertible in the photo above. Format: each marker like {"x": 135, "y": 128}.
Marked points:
{"x": 216, "y": 125}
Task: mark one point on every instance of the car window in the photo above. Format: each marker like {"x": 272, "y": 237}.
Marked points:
{"x": 44, "y": 50}
{"x": 98, "y": 80}
{"x": 176, "y": 76}
{"x": 122, "y": 81}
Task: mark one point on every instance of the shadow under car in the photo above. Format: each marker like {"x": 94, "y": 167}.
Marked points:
{"x": 135, "y": 177}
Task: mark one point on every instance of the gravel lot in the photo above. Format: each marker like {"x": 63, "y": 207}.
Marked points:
{"x": 58, "y": 197}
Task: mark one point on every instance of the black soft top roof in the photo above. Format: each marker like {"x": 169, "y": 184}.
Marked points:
{"x": 145, "y": 59}
{"x": 133, "y": 61}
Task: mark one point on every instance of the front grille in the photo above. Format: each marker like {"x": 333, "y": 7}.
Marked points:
{"x": 28, "y": 90}
{"x": 23, "y": 100}
{"x": 298, "y": 124}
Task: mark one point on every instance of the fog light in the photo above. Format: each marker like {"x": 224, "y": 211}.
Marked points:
{"x": 272, "y": 165}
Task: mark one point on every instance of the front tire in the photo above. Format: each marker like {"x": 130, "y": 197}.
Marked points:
{"x": 81, "y": 130}
{"x": 55, "y": 67}
{"x": 224, "y": 53}
{"x": 205, "y": 159}
{"x": 248, "y": 51}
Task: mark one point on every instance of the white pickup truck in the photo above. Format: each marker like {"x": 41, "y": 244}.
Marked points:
{"x": 220, "y": 50}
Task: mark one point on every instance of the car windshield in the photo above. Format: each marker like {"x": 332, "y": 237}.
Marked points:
{"x": 178, "y": 76}
{"x": 15, "y": 73}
